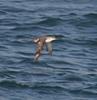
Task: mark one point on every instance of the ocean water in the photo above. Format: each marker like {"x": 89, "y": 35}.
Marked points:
{"x": 71, "y": 72}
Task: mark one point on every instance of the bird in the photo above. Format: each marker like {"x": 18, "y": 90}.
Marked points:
{"x": 41, "y": 42}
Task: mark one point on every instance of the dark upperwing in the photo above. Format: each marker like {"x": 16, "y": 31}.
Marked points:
{"x": 39, "y": 48}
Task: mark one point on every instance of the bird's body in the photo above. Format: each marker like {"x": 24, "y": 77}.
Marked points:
{"x": 41, "y": 42}
{"x": 50, "y": 39}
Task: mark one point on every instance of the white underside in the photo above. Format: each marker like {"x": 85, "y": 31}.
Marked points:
{"x": 50, "y": 39}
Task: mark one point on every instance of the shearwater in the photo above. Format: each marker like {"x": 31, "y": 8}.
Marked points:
{"x": 41, "y": 42}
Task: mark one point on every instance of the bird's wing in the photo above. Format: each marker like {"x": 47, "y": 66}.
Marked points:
{"x": 49, "y": 48}
{"x": 39, "y": 48}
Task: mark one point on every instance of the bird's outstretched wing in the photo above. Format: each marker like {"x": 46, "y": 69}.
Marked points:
{"x": 39, "y": 48}
{"x": 49, "y": 48}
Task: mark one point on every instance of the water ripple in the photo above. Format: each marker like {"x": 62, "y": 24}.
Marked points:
{"x": 71, "y": 72}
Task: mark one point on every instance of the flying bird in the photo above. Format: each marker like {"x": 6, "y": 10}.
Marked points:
{"x": 41, "y": 42}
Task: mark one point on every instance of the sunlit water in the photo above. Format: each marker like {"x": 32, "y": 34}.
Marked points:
{"x": 71, "y": 72}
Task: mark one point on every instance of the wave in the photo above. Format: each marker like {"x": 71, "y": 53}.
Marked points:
{"x": 91, "y": 15}
{"x": 85, "y": 20}
{"x": 11, "y": 9}
{"x": 50, "y": 21}
{"x": 84, "y": 92}
{"x": 2, "y": 12}
{"x": 86, "y": 41}
{"x": 48, "y": 87}
{"x": 3, "y": 47}
{"x": 12, "y": 84}
{"x": 32, "y": 27}
{"x": 41, "y": 86}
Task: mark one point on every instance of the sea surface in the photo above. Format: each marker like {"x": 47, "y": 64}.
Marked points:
{"x": 71, "y": 72}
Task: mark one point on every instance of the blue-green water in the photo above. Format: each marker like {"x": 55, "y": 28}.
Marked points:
{"x": 71, "y": 72}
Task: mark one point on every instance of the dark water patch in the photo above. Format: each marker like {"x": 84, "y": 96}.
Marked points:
{"x": 17, "y": 1}
{"x": 50, "y": 22}
{"x": 39, "y": 87}
{"x": 89, "y": 92}
{"x": 60, "y": 62}
{"x": 2, "y": 12}
{"x": 74, "y": 78}
{"x": 72, "y": 14}
{"x": 49, "y": 89}
{"x": 82, "y": 22}
{"x": 14, "y": 71}
{"x": 91, "y": 16}
{"x": 92, "y": 86}
{"x": 31, "y": 27}
{"x": 24, "y": 53}
{"x": 84, "y": 93}
{"x": 84, "y": 40}
{"x": 2, "y": 47}
{"x": 9, "y": 61}
{"x": 13, "y": 74}
{"x": 12, "y": 84}
{"x": 92, "y": 75}
{"x": 23, "y": 27}
{"x": 25, "y": 59}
